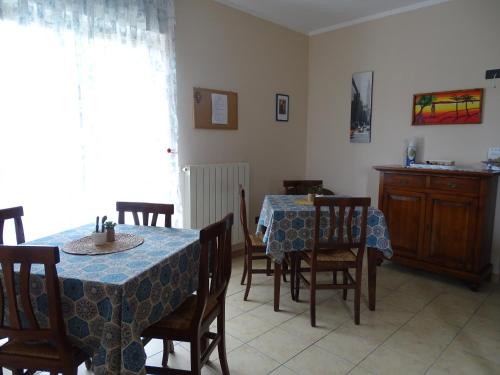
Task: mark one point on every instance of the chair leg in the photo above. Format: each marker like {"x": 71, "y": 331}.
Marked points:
{"x": 249, "y": 273}
{"x": 284, "y": 269}
{"x": 88, "y": 364}
{"x": 244, "y": 267}
{"x": 195, "y": 357}
{"x": 292, "y": 276}
{"x": 312, "y": 298}
{"x": 344, "y": 291}
{"x": 222, "y": 343}
{"x": 357, "y": 296}
{"x": 168, "y": 347}
{"x": 297, "y": 278}
{"x": 268, "y": 267}
{"x": 334, "y": 277}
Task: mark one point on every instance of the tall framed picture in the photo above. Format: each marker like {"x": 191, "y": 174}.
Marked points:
{"x": 282, "y": 107}
{"x": 361, "y": 107}
{"x": 448, "y": 107}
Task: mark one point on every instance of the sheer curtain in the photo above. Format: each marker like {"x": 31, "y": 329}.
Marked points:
{"x": 87, "y": 96}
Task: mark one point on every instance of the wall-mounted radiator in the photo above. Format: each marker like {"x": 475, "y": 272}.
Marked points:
{"x": 211, "y": 191}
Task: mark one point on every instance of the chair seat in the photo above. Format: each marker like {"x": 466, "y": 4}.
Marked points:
{"x": 181, "y": 318}
{"x": 257, "y": 240}
{"x": 334, "y": 257}
{"x": 34, "y": 350}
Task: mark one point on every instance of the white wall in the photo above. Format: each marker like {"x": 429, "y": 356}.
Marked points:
{"x": 443, "y": 47}
{"x": 221, "y": 48}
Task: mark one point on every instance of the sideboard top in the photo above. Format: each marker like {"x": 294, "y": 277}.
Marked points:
{"x": 452, "y": 170}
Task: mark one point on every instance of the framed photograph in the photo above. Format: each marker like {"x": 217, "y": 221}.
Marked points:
{"x": 448, "y": 107}
{"x": 361, "y": 107}
{"x": 282, "y": 107}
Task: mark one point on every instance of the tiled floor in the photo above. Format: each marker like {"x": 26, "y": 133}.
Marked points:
{"x": 424, "y": 324}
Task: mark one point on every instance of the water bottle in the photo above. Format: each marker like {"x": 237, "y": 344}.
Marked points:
{"x": 411, "y": 152}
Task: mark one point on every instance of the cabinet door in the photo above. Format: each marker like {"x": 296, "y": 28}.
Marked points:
{"x": 450, "y": 231}
{"x": 405, "y": 215}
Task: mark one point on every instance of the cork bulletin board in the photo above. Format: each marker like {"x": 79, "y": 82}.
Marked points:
{"x": 215, "y": 109}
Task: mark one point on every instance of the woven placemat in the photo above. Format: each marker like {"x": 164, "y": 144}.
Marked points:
{"x": 86, "y": 246}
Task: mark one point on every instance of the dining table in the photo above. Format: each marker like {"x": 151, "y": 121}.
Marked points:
{"x": 287, "y": 224}
{"x": 108, "y": 300}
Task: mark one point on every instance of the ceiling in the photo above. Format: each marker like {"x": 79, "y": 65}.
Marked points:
{"x": 316, "y": 16}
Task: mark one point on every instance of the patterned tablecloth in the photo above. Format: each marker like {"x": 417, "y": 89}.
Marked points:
{"x": 108, "y": 300}
{"x": 289, "y": 226}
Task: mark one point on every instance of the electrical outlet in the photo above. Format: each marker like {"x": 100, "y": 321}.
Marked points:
{"x": 493, "y": 73}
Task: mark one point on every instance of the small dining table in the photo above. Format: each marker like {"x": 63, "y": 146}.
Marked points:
{"x": 287, "y": 222}
{"x": 108, "y": 300}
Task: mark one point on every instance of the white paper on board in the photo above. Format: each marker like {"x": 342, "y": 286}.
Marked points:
{"x": 219, "y": 109}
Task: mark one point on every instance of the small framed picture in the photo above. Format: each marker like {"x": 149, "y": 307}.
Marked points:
{"x": 282, "y": 107}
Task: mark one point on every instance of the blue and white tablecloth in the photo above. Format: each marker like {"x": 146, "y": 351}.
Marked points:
{"x": 290, "y": 225}
{"x": 108, "y": 300}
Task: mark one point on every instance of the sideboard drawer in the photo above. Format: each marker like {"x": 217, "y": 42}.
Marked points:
{"x": 462, "y": 185}
{"x": 404, "y": 180}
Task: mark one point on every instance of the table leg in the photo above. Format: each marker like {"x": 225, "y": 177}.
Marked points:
{"x": 372, "y": 277}
{"x": 277, "y": 285}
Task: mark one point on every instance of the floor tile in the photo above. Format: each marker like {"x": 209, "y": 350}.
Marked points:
{"x": 279, "y": 344}
{"x": 384, "y": 361}
{"x": 247, "y": 360}
{"x": 477, "y": 345}
{"x": 283, "y": 370}
{"x": 484, "y": 327}
{"x": 317, "y": 361}
{"x": 462, "y": 363}
{"x": 344, "y": 344}
{"x": 246, "y": 327}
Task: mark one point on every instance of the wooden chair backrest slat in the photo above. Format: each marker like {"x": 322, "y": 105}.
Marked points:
{"x": 145, "y": 209}
{"x": 243, "y": 217}
{"x": 15, "y": 213}
{"x": 29, "y": 329}
{"x": 215, "y": 242}
{"x": 300, "y": 187}
{"x": 341, "y": 214}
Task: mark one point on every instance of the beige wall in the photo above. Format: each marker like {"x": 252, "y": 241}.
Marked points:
{"x": 221, "y": 48}
{"x": 443, "y": 47}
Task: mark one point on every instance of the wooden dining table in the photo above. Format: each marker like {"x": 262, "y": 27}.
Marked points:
{"x": 287, "y": 222}
{"x": 108, "y": 300}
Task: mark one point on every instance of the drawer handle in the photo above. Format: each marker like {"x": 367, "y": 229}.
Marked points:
{"x": 452, "y": 186}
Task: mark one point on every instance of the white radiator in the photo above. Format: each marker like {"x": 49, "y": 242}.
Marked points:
{"x": 211, "y": 191}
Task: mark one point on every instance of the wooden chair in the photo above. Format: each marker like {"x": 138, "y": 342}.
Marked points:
{"x": 302, "y": 187}
{"x": 145, "y": 209}
{"x": 29, "y": 346}
{"x": 255, "y": 249}
{"x": 191, "y": 321}
{"x": 15, "y": 213}
{"x": 334, "y": 250}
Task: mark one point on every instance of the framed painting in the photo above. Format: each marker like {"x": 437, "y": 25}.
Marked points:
{"x": 282, "y": 107}
{"x": 448, "y": 107}
{"x": 361, "y": 107}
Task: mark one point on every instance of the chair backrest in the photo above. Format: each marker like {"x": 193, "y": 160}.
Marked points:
{"x": 341, "y": 214}
{"x": 23, "y": 325}
{"x": 145, "y": 209}
{"x": 15, "y": 213}
{"x": 300, "y": 187}
{"x": 215, "y": 264}
{"x": 243, "y": 216}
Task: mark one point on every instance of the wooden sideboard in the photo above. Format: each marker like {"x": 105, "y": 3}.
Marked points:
{"x": 440, "y": 220}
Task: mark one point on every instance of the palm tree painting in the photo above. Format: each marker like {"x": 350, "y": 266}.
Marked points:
{"x": 448, "y": 107}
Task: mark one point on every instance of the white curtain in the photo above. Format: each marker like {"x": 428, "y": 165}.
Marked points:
{"x": 87, "y": 109}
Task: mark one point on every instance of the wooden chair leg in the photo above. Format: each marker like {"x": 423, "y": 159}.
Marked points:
{"x": 244, "y": 267}
{"x": 357, "y": 296}
{"x": 249, "y": 273}
{"x": 345, "y": 279}
{"x": 168, "y": 347}
{"x": 195, "y": 357}
{"x": 334, "y": 277}
{"x": 222, "y": 343}
{"x": 312, "y": 298}
{"x": 292, "y": 276}
{"x": 268, "y": 267}
{"x": 284, "y": 269}
{"x": 297, "y": 278}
